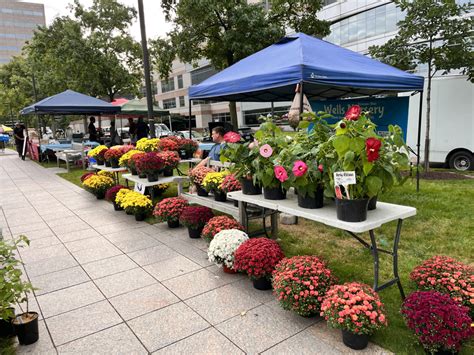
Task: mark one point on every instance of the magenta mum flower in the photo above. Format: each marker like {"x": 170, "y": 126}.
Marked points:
{"x": 299, "y": 168}
{"x": 280, "y": 173}
{"x": 266, "y": 151}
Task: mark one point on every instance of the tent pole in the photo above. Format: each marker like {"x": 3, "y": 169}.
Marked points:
{"x": 420, "y": 111}
{"x": 301, "y": 97}
{"x": 171, "y": 126}
{"x": 189, "y": 120}
{"x": 273, "y": 109}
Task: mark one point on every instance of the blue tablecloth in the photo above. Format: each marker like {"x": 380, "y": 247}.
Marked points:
{"x": 4, "y": 137}
{"x": 206, "y": 146}
{"x": 65, "y": 146}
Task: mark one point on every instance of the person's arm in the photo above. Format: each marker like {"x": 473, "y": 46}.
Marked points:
{"x": 202, "y": 163}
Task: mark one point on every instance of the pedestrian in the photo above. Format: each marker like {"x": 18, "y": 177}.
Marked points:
{"x": 92, "y": 130}
{"x": 19, "y": 134}
{"x": 142, "y": 129}
{"x": 115, "y": 138}
{"x": 132, "y": 130}
{"x": 215, "y": 152}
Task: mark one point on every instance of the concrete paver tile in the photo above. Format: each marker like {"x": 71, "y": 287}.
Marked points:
{"x": 92, "y": 254}
{"x": 169, "y": 268}
{"x": 109, "y": 266}
{"x": 125, "y": 281}
{"x": 78, "y": 235}
{"x": 59, "y": 280}
{"x": 50, "y": 265}
{"x": 152, "y": 255}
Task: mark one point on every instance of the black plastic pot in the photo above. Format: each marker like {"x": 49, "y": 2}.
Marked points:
{"x": 140, "y": 217}
{"x": 173, "y": 223}
{"x": 355, "y": 341}
{"x": 372, "y": 203}
{"x": 248, "y": 187}
{"x": 274, "y": 193}
{"x": 168, "y": 171}
{"x": 128, "y": 212}
{"x": 194, "y": 233}
{"x": 236, "y": 203}
{"x": 108, "y": 164}
{"x": 152, "y": 177}
{"x": 133, "y": 171}
{"x": 142, "y": 175}
{"x": 352, "y": 210}
{"x": 116, "y": 206}
{"x": 6, "y": 327}
{"x": 183, "y": 154}
{"x": 114, "y": 162}
{"x": 312, "y": 202}
{"x": 100, "y": 195}
{"x": 201, "y": 191}
{"x": 220, "y": 196}
{"x": 27, "y": 333}
{"x": 262, "y": 284}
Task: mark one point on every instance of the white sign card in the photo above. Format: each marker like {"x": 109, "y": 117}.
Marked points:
{"x": 344, "y": 178}
{"x": 139, "y": 188}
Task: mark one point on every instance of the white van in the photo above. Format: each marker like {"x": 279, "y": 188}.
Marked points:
{"x": 162, "y": 130}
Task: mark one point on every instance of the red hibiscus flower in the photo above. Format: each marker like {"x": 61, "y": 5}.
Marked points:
{"x": 372, "y": 147}
{"x": 280, "y": 173}
{"x": 353, "y": 113}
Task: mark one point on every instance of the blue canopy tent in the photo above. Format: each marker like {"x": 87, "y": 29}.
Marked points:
{"x": 323, "y": 70}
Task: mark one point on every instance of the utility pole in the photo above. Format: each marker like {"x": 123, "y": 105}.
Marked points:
{"x": 146, "y": 67}
{"x": 35, "y": 93}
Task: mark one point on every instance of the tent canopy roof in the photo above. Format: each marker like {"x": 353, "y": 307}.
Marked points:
{"x": 70, "y": 103}
{"x": 139, "y": 107}
{"x": 327, "y": 71}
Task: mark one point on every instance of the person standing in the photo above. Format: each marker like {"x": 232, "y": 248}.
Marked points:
{"x": 132, "y": 130}
{"x": 142, "y": 129}
{"x": 92, "y": 130}
{"x": 19, "y": 134}
{"x": 115, "y": 138}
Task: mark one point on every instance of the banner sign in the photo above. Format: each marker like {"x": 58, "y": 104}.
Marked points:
{"x": 383, "y": 112}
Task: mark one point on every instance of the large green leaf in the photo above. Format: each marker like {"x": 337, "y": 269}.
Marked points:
{"x": 341, "y": 144}
{"x": 368, "y": 168}
{"x": 374, "y": 185}
{"x": 357, "y": 144}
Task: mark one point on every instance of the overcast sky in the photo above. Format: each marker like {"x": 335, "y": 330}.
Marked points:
{"x": 154, "y": 18}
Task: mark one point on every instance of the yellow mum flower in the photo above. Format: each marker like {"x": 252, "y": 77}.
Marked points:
{"x": 148, "y": 145}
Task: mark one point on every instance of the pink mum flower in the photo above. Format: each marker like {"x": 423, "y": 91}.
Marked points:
{"x": 266, "y": 151}
{"x": 232, "y": 137}
{"x": 280, "y": 173}
{"x": 299, "y": 168}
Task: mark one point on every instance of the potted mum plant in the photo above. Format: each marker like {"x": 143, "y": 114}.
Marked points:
{"x": 137, "y": 204}
{"x": 148, "y": 144}
{"x": 150, "y": 164}
{"x": 223, "y": 246}
{"x": 13, "y": 291}
{"x": 120, "y": 198}
{"x": 197, "y": 175}
{"x": 300, "y": 283}
{"x": 440, "y": 324}
{"x": 133, "y": 164}
{"x": 98, "y": 185}
{"x": 168, "y": 144}
{"x": 112, "y": 156}
{"x": 217, "y": 224}
{"x": 169, "y": 210}
{"x": 98, "y": 154}
{"x": 187, "y": 147}
{"x": 170, "y": 161}
{"x": 195, "y": 218}
{"x": 356, "y": 309}
{"x": 126, "y": 161}
{"x": 212, "y": 182}
{"x": 159, "y": 189}
{"x": 258, "y": 257}
{"x": 111, "y": 194}
{"x": 86, "y": 176}
{"x": 229, "y": 184}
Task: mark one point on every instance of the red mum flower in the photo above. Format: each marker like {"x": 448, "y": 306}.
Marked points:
{"x": 372, "y": 147}
{"x": 353, "y": 113}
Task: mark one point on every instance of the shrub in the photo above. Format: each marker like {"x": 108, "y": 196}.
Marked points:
{"x": 169, "y": 209}
{"x": 439, "y": 322}
{"x": 112, "y": 192}
{"x": 195, "y": 217}
{"x": 446, "y": 275}
{"x": 301, "y": 282}
{"x": 354, "y": 307}
{"x": 258, "y": 257}
{"x": 222, "y": 248}
{"x": 217, "y": 224}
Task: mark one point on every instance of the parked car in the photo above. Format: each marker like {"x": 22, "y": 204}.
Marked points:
{"x": 162, "y": 130}
{"x": 197, "y": 136}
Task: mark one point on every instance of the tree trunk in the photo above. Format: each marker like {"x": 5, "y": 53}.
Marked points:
{"x": 233, "y": 115}
{"x": 428, "y": 120}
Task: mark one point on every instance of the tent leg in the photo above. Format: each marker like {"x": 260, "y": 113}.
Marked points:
{"x": 301, "y": 97}
{"x": 420, "y": 112}
{"x": 273, "y": 109}
{"x": 189, "y": 120}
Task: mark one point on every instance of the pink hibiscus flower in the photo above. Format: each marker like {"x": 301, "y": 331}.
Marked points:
{"x": 299, "y": 168}
{"x": 280, "y": 173}
{"x": 266, "y": 151}
{"x": 232, "y": 137}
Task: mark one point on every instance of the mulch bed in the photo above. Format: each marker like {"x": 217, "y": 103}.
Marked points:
{"x": 443, "y": 175}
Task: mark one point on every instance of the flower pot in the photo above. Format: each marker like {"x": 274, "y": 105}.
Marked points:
{"x": 228, "y": 270}
{"x": 133, "y": 171}
{"x": 142, "y": 175}
{"x": 262, "y": 283}
{"x": 274, "y": 193}
{"x": 372, "y": 203}
{"x": 151, "y": 177}
{"x": 6, "y": 328}
{"x": 220, "y": 196}
{"x": 355, "y": 341}
{"x": 183, "y": 154}
{"x": 26, "y": 329}
{"x": 168, "y": 171}
{"x": 140, "y": 216}
{"x": 442, "y": 352}
{"x": 312, "y": 202}
{"x": 173, "y": 223}
{"x": 117, "y": 207}
{"x": 108, "y": 164}
{"x": 100, "y": 195}
{"x": 352, "y": 210}
{"x": 248, "y": 187}
{"x": 194, "y": 233}
{"x": 128, "y": 212}
{"x": 201, "y": 191}
{"x": 114, "y": 162}
{"x": 99, "y": 161}
{"x": 236, "y": 203}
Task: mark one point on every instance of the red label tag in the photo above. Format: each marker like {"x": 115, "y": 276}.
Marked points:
{"x": 337, "y": 188}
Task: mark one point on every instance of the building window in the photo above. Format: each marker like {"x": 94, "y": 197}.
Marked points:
{"x": 182, "y": 103}
{"x": 251, "y": 117}
{"x": 180, "y": 82}
{"x": 221, "y": 117}
{"x": 201, "y": 74}
{"x": 169, "y": 103}
{"x": 167, "y": 85}
{"x": 203, "y": 102}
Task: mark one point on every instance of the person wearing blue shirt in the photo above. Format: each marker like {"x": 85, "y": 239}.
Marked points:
{"x": 215, "y": 152}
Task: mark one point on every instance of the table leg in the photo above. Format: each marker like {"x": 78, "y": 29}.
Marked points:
{"x": 375, "y": 255}
{"x": 243, "y": 215}
{"x": 274, "y": 224}
{"x": 395, "y": 257}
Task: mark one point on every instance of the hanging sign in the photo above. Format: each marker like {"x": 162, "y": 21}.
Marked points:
{"x": 139, "y": 188}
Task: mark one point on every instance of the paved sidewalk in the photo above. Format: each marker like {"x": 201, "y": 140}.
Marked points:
{"x": 109, "y": 284}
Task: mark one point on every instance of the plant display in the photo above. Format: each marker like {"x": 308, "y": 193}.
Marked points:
{"x": 167, "y": 144}
{"x": 149, "y": 163}
{"x": 195, "y": 217}
{"x": 120, "y": 196}
{"x": 230, "y": 183}
{"x": 258, "y": 257}
{"x": 113, "y": 154}
{"x": 136, "y": 203}
{"x": 170, "y": 209}
{"x": 300, "y": 284}
{"x": 241, "y": 155}
{"x": 198, "y": 174}
{"x": 111, "y": 193}
{"x": 98, "y": 185}
{"x": 86, "y": 176}
{"x": 353, "y": 307}
{"x": 223, "y": 246}
{"x": 126, "y": 148}
{"x": 446, "y": 275}
{"x": 439, "y": 323}
{"x": 98, "y": 151}
{"x": 213, "y": 180}
{"x": 170, "y": 158}
{"x": 124, "y": 159}
{"x": 160, "y": 188}
{"x": 218, "y": 224}
{"x": 189, "y": 145}
{"x": 148, "y": 144}
{"x": 106, "y": 173}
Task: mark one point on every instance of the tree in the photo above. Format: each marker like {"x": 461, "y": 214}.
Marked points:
{"x": 225, "y": 31}
{"x": 433, "y": 33}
